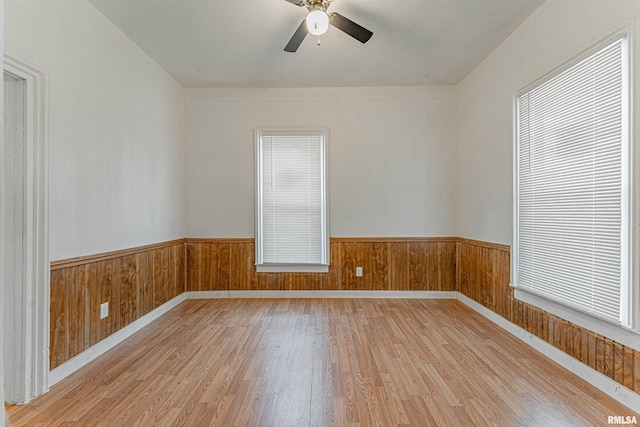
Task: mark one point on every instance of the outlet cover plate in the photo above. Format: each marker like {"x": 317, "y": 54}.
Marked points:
{"x": 104, "y": 310}
{"x": 358, "y": 271}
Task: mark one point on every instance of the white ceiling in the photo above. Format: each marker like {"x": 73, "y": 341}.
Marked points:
{"x": 239, "y": 43}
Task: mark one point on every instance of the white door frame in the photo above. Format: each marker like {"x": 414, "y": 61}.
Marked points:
{"x": 32, "y": 327}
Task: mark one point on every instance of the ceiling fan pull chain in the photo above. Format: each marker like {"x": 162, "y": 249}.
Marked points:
{"x": 318, "y": 41}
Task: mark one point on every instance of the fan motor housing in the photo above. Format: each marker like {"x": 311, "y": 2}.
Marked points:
{"x": 312, "y": 5}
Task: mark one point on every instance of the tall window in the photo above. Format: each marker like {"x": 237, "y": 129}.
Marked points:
{"x": 291, "y": 201}
{"x": 572, "y": 230}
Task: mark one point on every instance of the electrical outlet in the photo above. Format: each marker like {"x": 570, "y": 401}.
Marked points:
{"x": 104, "y": 310}
{"x": 358, "y": 271}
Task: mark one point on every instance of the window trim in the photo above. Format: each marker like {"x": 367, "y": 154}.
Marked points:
{"x": 629, "y": 336}
{"x": 262, "y": 267}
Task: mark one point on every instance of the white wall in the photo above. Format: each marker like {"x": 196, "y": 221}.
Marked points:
{"x": 116, "y": 129}
{"x": 556, "y": 32}
{"x": 391, "y": 163}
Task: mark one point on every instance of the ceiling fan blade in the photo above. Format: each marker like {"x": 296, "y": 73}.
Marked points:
{"x": 297, "y": 37}
{"x": 356, "y": 31}
{"x": 296, "y": 2}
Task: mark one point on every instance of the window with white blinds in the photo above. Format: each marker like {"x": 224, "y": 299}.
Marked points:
{"x": 291, "y": 201}
{"x": 572, "y": 202}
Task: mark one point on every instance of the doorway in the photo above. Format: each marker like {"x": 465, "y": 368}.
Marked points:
{"x": 14, "y": 217}
{"x": 25, "y": 228}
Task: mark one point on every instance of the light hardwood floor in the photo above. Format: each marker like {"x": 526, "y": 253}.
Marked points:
{"x": 296, "y": 362}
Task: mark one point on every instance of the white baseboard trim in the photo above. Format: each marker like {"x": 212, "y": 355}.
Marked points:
{"x": 90, "y": 354}
{"x": 593, "y": 377}
{"x": 323, "y": 294}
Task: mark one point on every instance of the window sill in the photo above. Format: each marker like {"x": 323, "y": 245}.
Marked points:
{"x": 623, "y": 335}
{"x": 292, "y": 268}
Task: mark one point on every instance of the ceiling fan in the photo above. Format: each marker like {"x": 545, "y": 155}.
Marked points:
{"x": 317, "y": 22}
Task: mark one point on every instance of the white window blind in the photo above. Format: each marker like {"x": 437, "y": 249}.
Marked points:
{"x": 291, "y": 198}
{"x": 572, "y": 149}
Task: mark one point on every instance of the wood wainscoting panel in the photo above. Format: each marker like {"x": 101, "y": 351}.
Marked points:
{"x": 144, "y": 286}
{"x": 411, "y": 264}
{"x": 128, "y": 293}
{"x": 483, "y": 274}
{"x": 57, "y": 318}
{"x": 132, "y": 281}
{"x": 75, "y": 307}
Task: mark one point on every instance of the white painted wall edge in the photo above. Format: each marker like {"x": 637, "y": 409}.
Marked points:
{"x": 593, "y": 377}
{"x": 323, "y": 294}
{"x": 90, "y": 354}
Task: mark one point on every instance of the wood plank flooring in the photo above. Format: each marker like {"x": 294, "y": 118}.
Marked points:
{"x": 319, "y": 362}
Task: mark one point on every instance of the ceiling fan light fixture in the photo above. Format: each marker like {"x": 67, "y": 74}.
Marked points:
{"x": 317, "y": 22}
